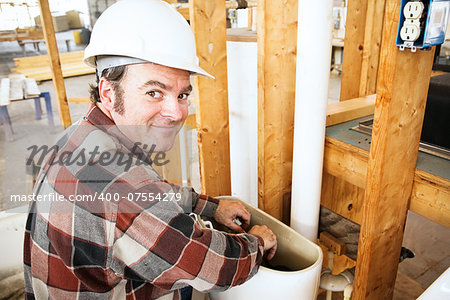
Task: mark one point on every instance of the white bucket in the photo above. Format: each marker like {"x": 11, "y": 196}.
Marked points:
{"x": 12, "y": 228}
{"x": 295, "y": 252}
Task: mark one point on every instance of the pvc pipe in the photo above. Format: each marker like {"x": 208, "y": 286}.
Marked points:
{"x": 335, "y": 283}
{"x": 348, "y": 292}
{"x": 243, "y": 119}
{"x": 311, "y": 97}
{"x": 330, "y": 255}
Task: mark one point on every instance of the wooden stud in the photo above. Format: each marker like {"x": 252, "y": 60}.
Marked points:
{"x": 277, "y": 47}
{"x": 52, "y": 48}
{"x": 430, "y": 197}
{"x": 344, "y": 182}
{"x": 371, "y": 47}
{"x": 401, "y": 97}
{"x": 332, "y": 243}
{"x": 362, "y": 47}
{"x": 208, "y": 21}
{"x": 344, "y": 111}
{"x": 340, "y": 262}
{"x": 79, "y": 100}
{"x": 241, "y": 35}
{"x": 172, "y": 170}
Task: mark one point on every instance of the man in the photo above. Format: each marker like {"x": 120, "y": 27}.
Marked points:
{"x": 117, "y": 229}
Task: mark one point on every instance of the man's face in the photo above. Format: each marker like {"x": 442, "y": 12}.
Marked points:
{"x": 155, "y": 104}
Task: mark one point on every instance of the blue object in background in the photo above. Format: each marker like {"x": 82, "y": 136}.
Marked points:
{"x": 422, "y": 24}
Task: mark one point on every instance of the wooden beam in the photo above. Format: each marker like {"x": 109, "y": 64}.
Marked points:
{"x": 363, "y": 30}
{"x": 344, "y": 179}
{"x": 401, "y": 97}
{"x": 241, "y": 35}
{"x": 430, "y": 197}
{"x": 250, "y": 17}
{"x": 208, "y": 21}
{"x": 344, "y": 182}
{"x": 79, "y": 100}
{"x": 344, "y": 111}
{"x": 371, "y": 47}
{"x": 52, "y": 49}
{"x": 332, "y": 243}
{"x": 277, "y": 43}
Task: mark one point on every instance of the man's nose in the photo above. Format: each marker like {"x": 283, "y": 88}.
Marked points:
{"x": 172, "y": 109}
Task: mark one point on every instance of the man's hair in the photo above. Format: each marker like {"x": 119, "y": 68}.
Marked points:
{"x": 115, "y": 76}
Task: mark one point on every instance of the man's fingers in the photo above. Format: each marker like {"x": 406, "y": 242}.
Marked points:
{"x": 245, "y": 215}
{"x": 235, "y": 227}
{"x": 271, "y": 252}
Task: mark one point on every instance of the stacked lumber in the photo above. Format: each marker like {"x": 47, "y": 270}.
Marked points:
{"x": 38, "y": 67}
{"x": 17, "y": 87}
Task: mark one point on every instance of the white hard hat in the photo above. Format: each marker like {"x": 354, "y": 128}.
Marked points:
{"x": 146, "y": 30}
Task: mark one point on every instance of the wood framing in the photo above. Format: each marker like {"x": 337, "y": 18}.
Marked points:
{"x": 401, "y": 97}
{"x": 39, "y": 68}
{"x": 52, "y": 48}
{"x": 344, "y": 183}
{"x": 344, "y": 111}
{"x": 277, "y": 43}
{"x": 363, "y": 30}
{"x": 208, "y": 21}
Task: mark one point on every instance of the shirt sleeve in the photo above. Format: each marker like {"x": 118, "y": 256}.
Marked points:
{"x": 191, "y": 201}
{"x": 159, "y": 243}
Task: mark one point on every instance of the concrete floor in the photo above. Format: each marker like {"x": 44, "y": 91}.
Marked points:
{"x": 430, "y": 241}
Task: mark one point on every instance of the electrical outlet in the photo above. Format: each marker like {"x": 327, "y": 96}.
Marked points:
{"x": 413, "y": 10}
{"x": 422, "y": 24}
{"x": 412, "y": 22}
{"x": 409, "y": 33}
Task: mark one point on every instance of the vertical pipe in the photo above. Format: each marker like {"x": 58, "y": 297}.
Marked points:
{"x": 311, "y": 96}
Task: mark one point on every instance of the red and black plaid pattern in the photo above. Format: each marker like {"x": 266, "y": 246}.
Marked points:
{"x": 123, "y": 249}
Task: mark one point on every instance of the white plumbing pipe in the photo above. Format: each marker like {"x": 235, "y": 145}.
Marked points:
{"x": 348, "y": 291}
{"x": 311, "y": 97}
{"x": 335, "y": 283}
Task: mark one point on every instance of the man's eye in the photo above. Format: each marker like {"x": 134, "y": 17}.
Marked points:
{"x": 155, "y": 94}
{"x": 183, "y": 96}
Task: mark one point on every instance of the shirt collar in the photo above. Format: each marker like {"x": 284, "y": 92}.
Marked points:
{"x": 97, "y": 117}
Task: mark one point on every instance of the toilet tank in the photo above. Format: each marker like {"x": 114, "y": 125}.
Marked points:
{"x": 293, "y": 273}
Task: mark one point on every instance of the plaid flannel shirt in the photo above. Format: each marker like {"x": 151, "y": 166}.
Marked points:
{"x": 122, "y": 248}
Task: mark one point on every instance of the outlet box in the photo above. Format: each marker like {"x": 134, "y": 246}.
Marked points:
{"x": 422, "y": 24}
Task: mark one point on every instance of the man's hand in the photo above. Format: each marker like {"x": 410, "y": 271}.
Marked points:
{"x": 228, "y": 210}
{"x": 270, "y": 239}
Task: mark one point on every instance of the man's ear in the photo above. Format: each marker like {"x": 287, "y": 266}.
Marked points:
{"x": 106, "y": 92}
